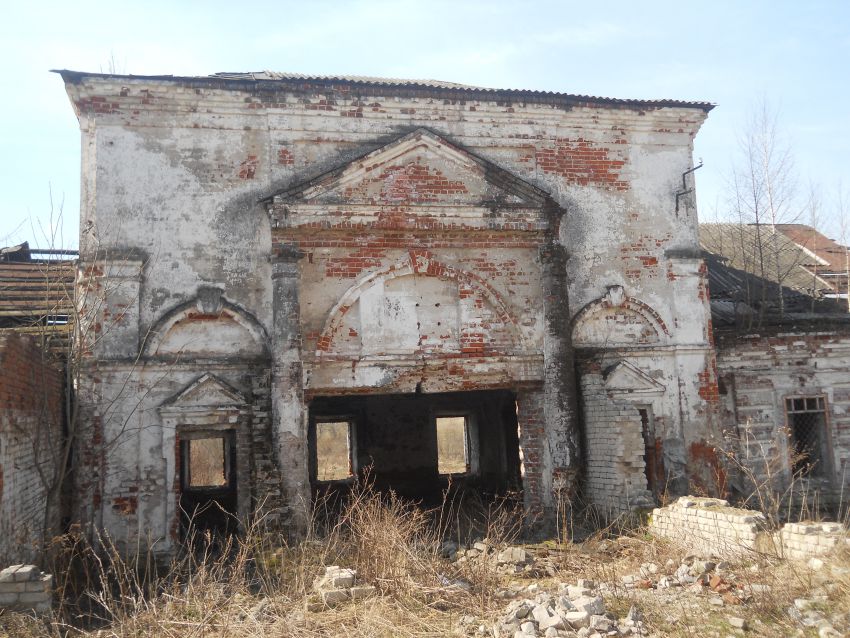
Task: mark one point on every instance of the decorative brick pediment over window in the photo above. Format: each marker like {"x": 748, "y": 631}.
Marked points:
{"x": 418, "y": 181}
{"x": 626, "y": 378}
{"x": 207, "y": 390}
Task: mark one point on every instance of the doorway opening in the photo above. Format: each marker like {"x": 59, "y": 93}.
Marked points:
{"x": 416, "y": 444}
{"x": 651, "y": 457}
{"x": 208, "y": 482}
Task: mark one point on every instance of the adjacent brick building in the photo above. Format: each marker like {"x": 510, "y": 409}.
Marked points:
{"x": 31, "y": 399}
{"x": 782, "y": 333}
{"x": 270, "y": 258}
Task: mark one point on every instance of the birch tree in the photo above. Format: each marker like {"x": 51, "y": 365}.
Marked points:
{"x": 842, "y": 216}
{"x": 764, "y": 194}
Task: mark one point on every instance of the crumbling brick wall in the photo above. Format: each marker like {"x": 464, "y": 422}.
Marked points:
{"x": 30, "y": 428}
{"x": 709, "y": 526}
{"x": 758, "y": 373}
{"x": 386, "y": 239}
{"x": 615, "y": 478}
{"x": 25, "y": 589}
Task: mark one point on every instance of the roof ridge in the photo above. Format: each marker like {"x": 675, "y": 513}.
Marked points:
{"x": 401, "y": 83}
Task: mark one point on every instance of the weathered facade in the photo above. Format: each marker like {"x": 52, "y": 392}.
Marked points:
{"x": 782, "y": 335}
{"x": 273, "y": 256}
{"x": 785, "y": 395}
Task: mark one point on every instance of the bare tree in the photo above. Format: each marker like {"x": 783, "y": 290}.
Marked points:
{"x": 764, "y": 195}
{"x": 842, "y": 217}
{"x": 814, "y": 221}
{"x": 82, "y": 304}
{"x": 113, "y": 67}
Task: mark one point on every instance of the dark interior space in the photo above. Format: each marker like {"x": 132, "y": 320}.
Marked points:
{"x": 416, "y": 444}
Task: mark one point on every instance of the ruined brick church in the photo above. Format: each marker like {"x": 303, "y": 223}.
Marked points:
{"x": 291, "y": 281}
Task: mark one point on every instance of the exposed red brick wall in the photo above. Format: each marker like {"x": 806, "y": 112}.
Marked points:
{"x": 28, "y": 382}
{"x": 30, "y": 428}
{"x": 411, "y": 240}
{"x": 248, "y": 167}
{"x": 531, "y": 421}
{"x": 354, "y": 263}
{"x": 410, "y": 183}
{"x": 584, "y": 162}
{"x": 285, "y": 157}
{"x": 708, "y": 385}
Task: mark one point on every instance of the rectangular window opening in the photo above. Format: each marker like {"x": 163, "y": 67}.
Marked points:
{"x": 806, "y": 418}
{"x": 333, "y": 450}
{"x": 207, "y": 462}
{"x": 452, "y": 448}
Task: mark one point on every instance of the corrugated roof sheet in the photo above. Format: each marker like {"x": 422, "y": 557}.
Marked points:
{"x": 361, "y": 79}
{"x": 756, "y": 249}
{"x": 394, "y": 83}
{"x": 747, "y": 265}
{"x": 830, "y": 251}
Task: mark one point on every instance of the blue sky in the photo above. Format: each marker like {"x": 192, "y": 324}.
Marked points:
{"x": 794, "y": 54}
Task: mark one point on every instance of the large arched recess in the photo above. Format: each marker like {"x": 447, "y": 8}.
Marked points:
{"x": 207, "y": 326}
{"x": 616, "y": 320}
{"x": 489, "y": 329}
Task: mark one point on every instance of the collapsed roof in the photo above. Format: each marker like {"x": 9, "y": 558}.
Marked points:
{"x": 771, "y": 274}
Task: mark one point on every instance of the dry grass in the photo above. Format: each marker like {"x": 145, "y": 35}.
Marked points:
{"x": 262, "y": 586}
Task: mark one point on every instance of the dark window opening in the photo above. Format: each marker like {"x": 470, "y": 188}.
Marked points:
{"x": 807, "y": 430}
{"x": 452, "y": 445}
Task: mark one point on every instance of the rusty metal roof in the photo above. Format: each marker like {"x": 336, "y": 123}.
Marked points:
{"x": 829, "y": 255}
{"x": 223, "y": 79}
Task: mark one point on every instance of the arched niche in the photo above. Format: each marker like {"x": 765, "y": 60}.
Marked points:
{"x": 207, "y": 326}
{"x": 420, "y": 306}
{"x": 616, "y": 320}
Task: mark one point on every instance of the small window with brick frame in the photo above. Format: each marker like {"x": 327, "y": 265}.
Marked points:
{"x": 807, "y": 428}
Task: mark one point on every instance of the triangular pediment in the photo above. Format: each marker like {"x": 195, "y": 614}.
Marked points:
{"x": 206, "y": 391}
{"x": 419, "y": 169}
{"x": 624, "y": 377}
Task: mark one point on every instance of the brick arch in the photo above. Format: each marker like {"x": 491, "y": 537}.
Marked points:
{"x": 417, "y": 262}
{"x": 208, "y": 307}
{"x": 616, "y": 310}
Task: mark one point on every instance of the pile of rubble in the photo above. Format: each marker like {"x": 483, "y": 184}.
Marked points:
{"x": 724, "y": 588}
{"x": 699, "y": 574}
{"x": 510, "y": 560}
{"x": 338, "y": 585}
{"x": 721, "y": 589}
{"x": 25, "y": 588}
{"x": 576, "y": 610}
{"x": 551, "y": 609}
